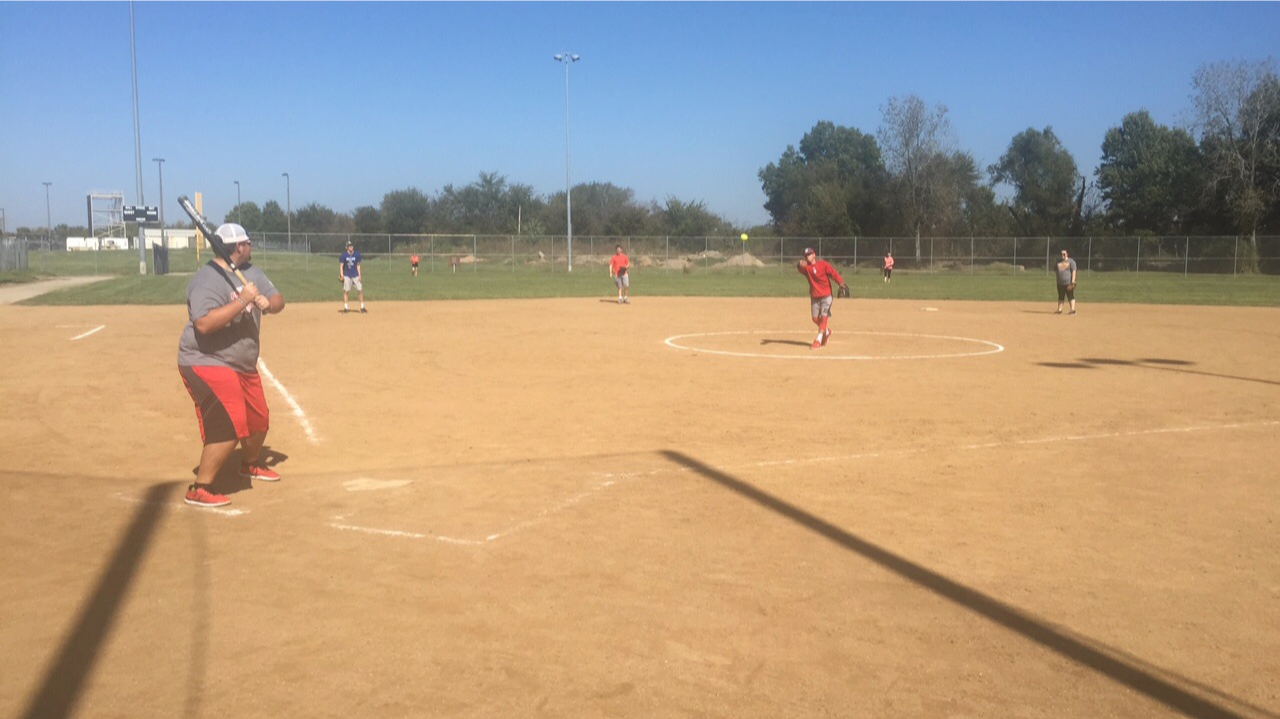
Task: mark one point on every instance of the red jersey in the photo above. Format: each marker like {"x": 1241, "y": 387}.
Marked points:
{"x": 817, "y": 274}
{"x": 618, "y": 265}
{"x": 888, "y": 263}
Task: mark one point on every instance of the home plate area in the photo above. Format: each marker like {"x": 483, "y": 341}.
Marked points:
{"x": 476, "y": 504}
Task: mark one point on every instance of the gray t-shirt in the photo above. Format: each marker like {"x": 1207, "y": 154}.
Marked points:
{"x": 1065, "y": 268}
{"x": 236, "y": 345}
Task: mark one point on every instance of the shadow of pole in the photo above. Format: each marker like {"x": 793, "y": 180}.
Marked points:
{"x": 64, "y": 681}
{"x": 993, "y": 609}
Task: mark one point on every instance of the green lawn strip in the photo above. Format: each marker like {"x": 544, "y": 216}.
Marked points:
{"x": 320, "y": 283}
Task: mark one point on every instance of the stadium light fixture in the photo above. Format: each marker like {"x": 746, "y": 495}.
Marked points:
{"x": 568, "y": 59}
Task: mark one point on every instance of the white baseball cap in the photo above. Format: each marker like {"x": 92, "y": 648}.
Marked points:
{"x": 231, "y": 233}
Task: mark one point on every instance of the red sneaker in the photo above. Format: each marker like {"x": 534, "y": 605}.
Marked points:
{"x": 816, "y": 344}
{"x": 826, "y": 336}
{"x": 201, "y": 497}
{"x": 259, "y": 472}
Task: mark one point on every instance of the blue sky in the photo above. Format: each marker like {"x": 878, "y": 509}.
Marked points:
{"x": 355, "y": 100}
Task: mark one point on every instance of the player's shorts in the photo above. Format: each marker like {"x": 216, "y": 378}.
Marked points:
{"x": 349, "y": 282}
{"x": 888, "y": 271}
{"x": 820, "y": 306}
{"x": 621, "y": 281}
{"x": 229, "y": 404}
{"x": 1065, "y": 294}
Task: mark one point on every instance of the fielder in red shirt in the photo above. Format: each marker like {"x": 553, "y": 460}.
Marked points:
{"x": 819, "y": 273}
{"x": 619, "y": 266}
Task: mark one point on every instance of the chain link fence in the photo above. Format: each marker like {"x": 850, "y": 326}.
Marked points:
{"x": 553, "y": 253}
{"x": 484, "y": 253}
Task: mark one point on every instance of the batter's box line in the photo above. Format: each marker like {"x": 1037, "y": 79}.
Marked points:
{"x": 612, "y": 479}
{"x": 543, "y": 514}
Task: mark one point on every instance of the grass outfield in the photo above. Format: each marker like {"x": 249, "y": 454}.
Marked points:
{"x": 314, "y": 278}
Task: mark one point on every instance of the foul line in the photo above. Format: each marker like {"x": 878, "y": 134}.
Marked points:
{"x": 297, "y": 409}
{"x": 86, "y": 334}
{"x": 614, "y": 479}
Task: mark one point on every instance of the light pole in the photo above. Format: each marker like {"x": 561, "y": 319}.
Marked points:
{"x": 288, "y": 209}
{"x": 48, "y": 216}
{"x": 160, "y": 167}
{"x": 137, "y": 140}
{"x": 568, "y": 59}
{"x": 239, "y": 209}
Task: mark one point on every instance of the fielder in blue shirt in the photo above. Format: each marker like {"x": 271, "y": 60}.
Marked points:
{"x": 349, "y": 273}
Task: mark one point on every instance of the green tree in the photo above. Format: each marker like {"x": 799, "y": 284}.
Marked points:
{"x": 692, "y": 219}
{"x": 1238, "y": 116}
{"x": 405, "y": 212}
{"x": 833, "y": 185}
{"x": 274, "y": 218}
{"x": 917, "y": 147}
{"x": 1149, "y": 176}
{"x": 487, "y": 206}
{"x": 597, "y": 204}
{"x": 246, "y": 214}
{"x": 1043, "y": 175}
{"x": 315, "y": 217}
{"x": 367, "y": 220}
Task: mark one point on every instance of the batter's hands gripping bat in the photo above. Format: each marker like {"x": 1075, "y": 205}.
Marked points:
{"x": 214, "y": 241}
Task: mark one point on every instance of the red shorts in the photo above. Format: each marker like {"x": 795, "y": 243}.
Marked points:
{"x": 229, "y": 404}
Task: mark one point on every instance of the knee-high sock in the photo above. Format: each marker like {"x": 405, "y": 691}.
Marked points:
{"x": 822, "y": 324}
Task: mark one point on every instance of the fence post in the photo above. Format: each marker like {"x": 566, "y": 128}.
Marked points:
{"x": 971, "y": 267}
{"x": 1137, "y": 264}
{"x": 1186, "y": 258}
{"x": 855, "y": 254}
{"x": 1088, "y": 263}
{"x": 1046, "y": 256}
{"x": 1235, "y": 257}
{"x": 475, "y": 255}
{"x": 513, "y": 254}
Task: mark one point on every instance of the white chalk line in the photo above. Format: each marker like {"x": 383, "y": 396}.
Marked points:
{"x": 615, "y": 479}
{"x": 86, "y": 334}
{"x": 825, "y": 355}
{"x": 224, "y": 511}
{"x": 537, "y": 518}
{"x": 297, "y": 408}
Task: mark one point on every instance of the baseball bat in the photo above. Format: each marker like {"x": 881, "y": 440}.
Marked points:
{"x": 215, "y": 242}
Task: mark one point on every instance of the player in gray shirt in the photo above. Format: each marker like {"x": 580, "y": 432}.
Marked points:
{"x": 1066, "y": 282}
{"x": 218, "y": 358}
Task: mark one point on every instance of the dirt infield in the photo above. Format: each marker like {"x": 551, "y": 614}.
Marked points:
{"x": 570, "y": 508}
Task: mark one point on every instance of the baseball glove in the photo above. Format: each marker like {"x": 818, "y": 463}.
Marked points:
{"x": 843, "y": 291}
{"x": 622, "y": 271}
{"x": 1071, "y": 287}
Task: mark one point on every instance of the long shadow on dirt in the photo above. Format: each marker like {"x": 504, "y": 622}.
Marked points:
{"x": 1080, "y": 651}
